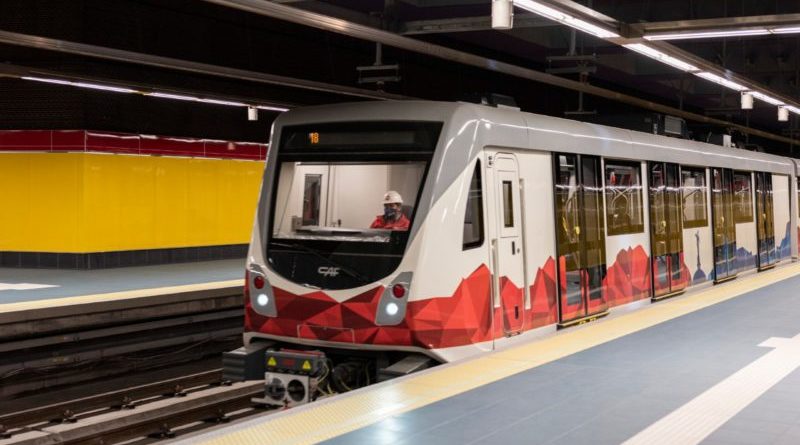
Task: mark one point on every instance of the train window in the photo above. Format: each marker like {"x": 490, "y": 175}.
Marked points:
{"x": 508, "y": 205}
{"x": 311, "y": 199}
{"x": 473, "y": 218}
{"x": 693, "y": 190}
{"x": 742, "y": 197}
{"x": 624, "y": 213}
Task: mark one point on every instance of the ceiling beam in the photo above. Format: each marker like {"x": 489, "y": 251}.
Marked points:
{"x": 355, "y": 30}
{"x": 21, "y": 72}
{"x": 124, "y": 56}
{"x": 464, "y": 24}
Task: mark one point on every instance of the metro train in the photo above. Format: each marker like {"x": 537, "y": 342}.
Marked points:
{"x": 519, "y": 224}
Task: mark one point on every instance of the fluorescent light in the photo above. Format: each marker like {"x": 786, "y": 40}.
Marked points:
{"x": 709, "y": 34}
{"x": 723, "y": 33}
{"x": 92, "y": 86}
{"x": 767, "y": 99}
{"x": 264, "y": 107}
{"x": 720, "y": 80}
{"x": 196, "y": 99}
{"x": 566, "y": 19}
{"x": 115, "y": 89}
{"x": 661, "y": 57}
{"x": 786, "y": 30}
{"x": 793, "y": 109}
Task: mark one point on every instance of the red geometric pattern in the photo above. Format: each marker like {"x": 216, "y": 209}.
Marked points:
{"x": 439, "y": 322}
{"x": 628, "y": 279}
{"x": 544, "y": 303}
{"x": 513, "y": 299}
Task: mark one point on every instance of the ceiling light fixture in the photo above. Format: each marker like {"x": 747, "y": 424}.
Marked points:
{"x": 783, "y": 114}
{"x": 768, "y": 99}
{"x": 711, "y": 34}
{"x": 502, "y": 14}
{"x": 661, "y": 57}
{"x": 747, "y": 100}
{"x": 720, "y": 80}
{"x": 197, "y": 99}
{"x": 786, "y": 30}
{"x": 116, "y": 89}
{"x": 92, "y": 86}
{"x": 566, "y": 19}
{"x": 793, "y": 109}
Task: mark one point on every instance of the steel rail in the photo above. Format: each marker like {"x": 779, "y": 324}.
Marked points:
{"x": 119, "y": 55}
{"x": 153, "y": 418}
{"x": 122, "y": 398}
{"x": 332, "y": 24}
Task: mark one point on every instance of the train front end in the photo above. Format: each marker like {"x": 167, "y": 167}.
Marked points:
{"x": 336, "y": 239}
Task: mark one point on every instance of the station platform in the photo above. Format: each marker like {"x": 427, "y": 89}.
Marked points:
{"x": 715, "y": 366}
{"x": 21, "y": 285}
{"x": 42, "y": 301}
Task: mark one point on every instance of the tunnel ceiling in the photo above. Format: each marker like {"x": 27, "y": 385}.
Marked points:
{"x": 199, "y": 31}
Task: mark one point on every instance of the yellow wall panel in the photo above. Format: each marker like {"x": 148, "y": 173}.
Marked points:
{"x": 40, "y": 200}
{"x": 171, "y": 202}
{"x": 85, "y": 202}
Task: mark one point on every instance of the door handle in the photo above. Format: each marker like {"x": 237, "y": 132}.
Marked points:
{"x": 513, "y": 248}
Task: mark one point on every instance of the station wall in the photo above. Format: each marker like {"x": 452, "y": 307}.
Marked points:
{"x": 94, "y": 202}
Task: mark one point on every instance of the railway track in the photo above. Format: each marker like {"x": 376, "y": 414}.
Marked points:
{"x": 120, "y": 369}
{"x": 152, "y": 411}
{"x": 46, "y": 349}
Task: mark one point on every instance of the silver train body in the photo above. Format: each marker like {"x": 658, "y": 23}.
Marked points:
{"x": 519, "y": 224}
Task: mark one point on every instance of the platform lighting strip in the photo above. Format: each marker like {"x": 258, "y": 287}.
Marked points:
{"x": 96, "y": 86}
{"x": 767, "y": 99}
{"x": 661, "y": 57}
{"x": 566, "y": 19}
{"x": 722, "y": 81}
{"x": 729, "y": 33}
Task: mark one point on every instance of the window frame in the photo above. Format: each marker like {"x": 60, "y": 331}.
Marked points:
{"x": 695, "y": 223}
{"x": 473, "y": 244}
{"x": 738, "y": 218}
{"x": 631, "y": 228}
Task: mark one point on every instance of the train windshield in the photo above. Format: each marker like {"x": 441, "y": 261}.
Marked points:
{"x": 345, "y": 198}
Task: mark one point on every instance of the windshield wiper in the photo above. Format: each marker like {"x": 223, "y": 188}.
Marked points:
{"x": 318, "y": 254}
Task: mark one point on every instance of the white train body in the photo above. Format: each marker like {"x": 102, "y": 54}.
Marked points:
{"x": 557, "y": 228}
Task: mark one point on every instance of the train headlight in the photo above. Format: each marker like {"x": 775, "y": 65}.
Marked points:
{"x": 259, "y": 291}
{"x": 391, "y": 310}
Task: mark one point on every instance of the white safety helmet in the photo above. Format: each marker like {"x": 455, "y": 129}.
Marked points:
{"x": 392, "y": 197}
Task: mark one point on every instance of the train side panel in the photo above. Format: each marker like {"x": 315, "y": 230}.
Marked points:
{"x": 783, "y": 234}
{"x": 744, "y": 214}
{"x": 536, "y": 173}
{"x": 626, "y": 204}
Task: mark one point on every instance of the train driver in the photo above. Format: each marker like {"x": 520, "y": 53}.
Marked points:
{"x": 393, "y": 217}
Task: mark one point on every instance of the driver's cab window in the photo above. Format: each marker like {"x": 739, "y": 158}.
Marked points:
{"x": 357, "y": 201}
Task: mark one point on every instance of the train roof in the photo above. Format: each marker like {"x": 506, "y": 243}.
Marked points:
{"x": 547, "y": 133}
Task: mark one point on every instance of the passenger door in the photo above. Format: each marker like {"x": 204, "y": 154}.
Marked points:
{"x": 666, "y": 236}
{"x": 765, "y": 226}
{"x": 724, "y": 225}
{"x": 580, "y": 235}
{"x": 510, "y": 276}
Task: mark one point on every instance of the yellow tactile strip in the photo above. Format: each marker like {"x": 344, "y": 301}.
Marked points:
{"x": 327, "y": 419}
{"x": 67, "y": 302}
